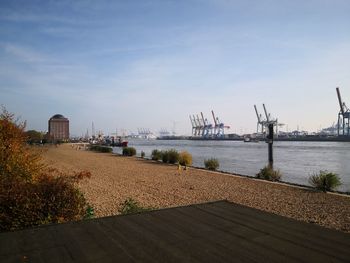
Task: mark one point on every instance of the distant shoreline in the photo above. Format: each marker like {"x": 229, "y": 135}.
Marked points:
{"x": 295, "y": 139}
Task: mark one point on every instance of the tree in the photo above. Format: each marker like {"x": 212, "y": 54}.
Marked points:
{"x": 34, "y": 136}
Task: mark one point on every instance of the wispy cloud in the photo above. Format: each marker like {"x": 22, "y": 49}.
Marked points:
{"x": 23, "y": 53}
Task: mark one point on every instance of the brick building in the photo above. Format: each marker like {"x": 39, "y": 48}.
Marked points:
{"x": 59, "y": 127}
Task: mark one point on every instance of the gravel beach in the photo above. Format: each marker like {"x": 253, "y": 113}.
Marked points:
{"x": 154, "y": 184}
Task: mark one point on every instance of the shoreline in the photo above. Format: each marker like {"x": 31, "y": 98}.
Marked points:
{"x": 158, "y": 185}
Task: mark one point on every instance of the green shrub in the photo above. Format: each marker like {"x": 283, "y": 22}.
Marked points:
{"x": 100, "y": 148}
{"x": 211, "y": 164}
{"x": 165, "y": 156}
{"x": 156, "y": 155}
{"x": 129, "y": 151}
{"x": 130, "y": 206}
{"x": 325, "y": 181}
{"x": 173, "y": 156}
{"x": 185, "y": 158}
{"x": 47, "y": 199}
{"x": 143, "y": 154}
{"x": 269, "y": 173}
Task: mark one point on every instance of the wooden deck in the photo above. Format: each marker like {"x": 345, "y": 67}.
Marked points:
{"x": 211, "y": 232}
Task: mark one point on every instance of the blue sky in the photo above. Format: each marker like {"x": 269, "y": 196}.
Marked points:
{"x": 131, "y": 64}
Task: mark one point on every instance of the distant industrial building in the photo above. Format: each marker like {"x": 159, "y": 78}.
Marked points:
{"x": 59, "y": 127}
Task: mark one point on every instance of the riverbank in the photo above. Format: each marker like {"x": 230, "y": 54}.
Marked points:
{"x": 152, "y": 184}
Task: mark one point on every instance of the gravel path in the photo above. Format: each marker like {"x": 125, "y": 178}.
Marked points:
{"x": 116, "y": 178}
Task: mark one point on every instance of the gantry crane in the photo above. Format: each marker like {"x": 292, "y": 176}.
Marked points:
{"x": 343, "y": 117}
{"x": 194, "y": 126}
{"x": 219, "y": 128}
{"x": 270, "y": 120}
{"x": 207, "y": 127}
{"x": 261, "y": 122}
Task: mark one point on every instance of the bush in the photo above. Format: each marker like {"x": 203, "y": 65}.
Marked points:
{"x": 143, "y": 154}
{"x": 173, "y": 156}
{"x": 100, "y": 148}
{"x": 325, "y": 181}
{"x": 17, "y": 159}
{"x": 129, "y": 151}
{"x": 156, "y": 155}
{"x": 47, "y": 199}
{"x": 211, "y": 164}
{"x": 165, "y": 156}
{"x": 269, "y": 173}
{"x": 185, "y": 158}
{"x": 130, "y": 206}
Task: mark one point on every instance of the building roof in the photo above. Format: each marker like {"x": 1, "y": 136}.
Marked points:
{"x": 58, "y": 116}
{"x": 211, "y": 232}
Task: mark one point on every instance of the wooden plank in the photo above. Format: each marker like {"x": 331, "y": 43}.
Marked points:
{"x": 298, "y": 239}
{"x": 142, "y": 242}
{"x": 294, "y": 225}
{"x": 236, "y": 238}
{"x": 285, "y": 225}
{"x": 212, "y": 232}
{"x": 206, "y": 234}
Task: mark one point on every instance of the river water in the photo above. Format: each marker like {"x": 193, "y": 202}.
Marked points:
{"x": 296, "y": 160}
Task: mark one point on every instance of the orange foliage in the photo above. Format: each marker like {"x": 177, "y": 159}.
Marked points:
{"x": 16, "y": 158}
{"x": 30, "y": 194}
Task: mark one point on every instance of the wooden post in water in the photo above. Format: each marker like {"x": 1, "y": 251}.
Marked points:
{"x": 270, "y": 143}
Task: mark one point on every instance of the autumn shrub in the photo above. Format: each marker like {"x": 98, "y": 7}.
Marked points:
{"x": 325, "y": 181}
{"x": 100, "y": 148}
{"x": 156, "y": 155}
{"x": 17, "y": 159}
{"x": 185, "y": 158}
{"x": 129, "y": 151}
{"x": 46, "y": 199}
{"x": 268, "y": 173}
{"x": 31, "y": 194}
{"x": 211, "y": 164}
{"x": 130, "y": 206}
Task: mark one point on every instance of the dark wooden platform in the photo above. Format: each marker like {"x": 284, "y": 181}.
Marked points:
{"x": 212, "y": 232}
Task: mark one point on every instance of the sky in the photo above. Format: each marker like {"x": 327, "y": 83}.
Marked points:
{"x": 150, "y": 64}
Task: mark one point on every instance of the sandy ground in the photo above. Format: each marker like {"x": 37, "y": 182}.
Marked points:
{"x": 116, "y": 178}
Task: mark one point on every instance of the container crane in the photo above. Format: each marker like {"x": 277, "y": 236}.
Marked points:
{"x": 219, "y": 129}
{"x": 270, "y": 120}
{"x": 260, "y": 123}
{"x": 194, "y": 126}
{"x": 207, "y": 127}
{"x": 343, "y": 117}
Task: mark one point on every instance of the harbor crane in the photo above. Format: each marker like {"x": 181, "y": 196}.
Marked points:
{"x": 219, "y": 128}
{"x": 201, "y": 127}
{"x": 272, "y": 121}
{"x": 194, "y": 126}
{"x": 261, "y": 122}
{"x": 207, "y": 127}
{"x": 343, "y": 117}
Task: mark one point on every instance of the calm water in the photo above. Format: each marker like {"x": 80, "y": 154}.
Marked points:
{"x": 296, "y": 160}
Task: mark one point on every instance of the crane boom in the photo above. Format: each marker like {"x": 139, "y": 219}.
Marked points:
{"x": 195, "y": 121}
{"x": 193, "y": 124}
{"x": 199, "y": 120}
{"x": 257, "y": 114}
{"x": 203, "y": 118}
{"x": 267, "y": 116}
{"x": 340, "y": 101}
{"x": 212, "y": 112}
